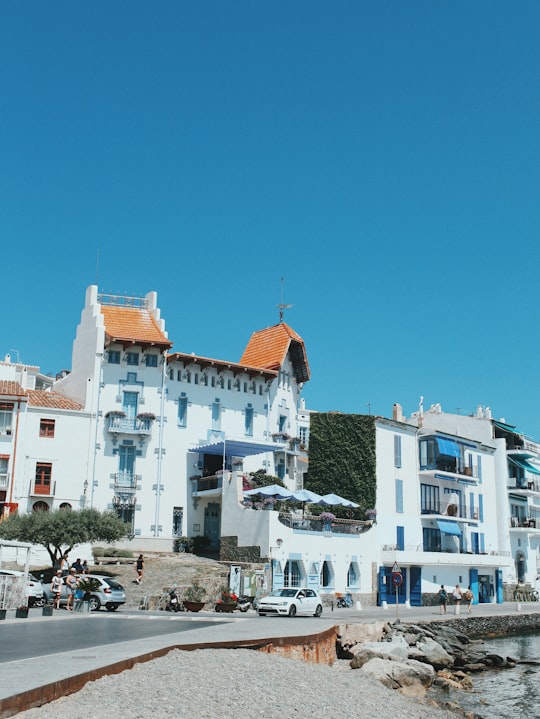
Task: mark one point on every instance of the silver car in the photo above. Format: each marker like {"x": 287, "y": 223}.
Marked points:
{"x": 110, "y": 595}
{"x": 291, "y": 601}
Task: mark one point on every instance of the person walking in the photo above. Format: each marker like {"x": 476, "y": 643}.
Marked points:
{"x": 457, "y": 596}
{"x": 139, "y": 568}
{"x": 469, "y": 596}
{"x": 56, "y": 589}
{"x": 443, "y": 599}
{"x": 71, "y": 584}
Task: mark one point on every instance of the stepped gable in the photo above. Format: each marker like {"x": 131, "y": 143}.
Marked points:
{"x": 132, "y": 325}
{"x": 11, "y": 389}
{"x": 42, "y": 398}
{"x": 268, "y": 348}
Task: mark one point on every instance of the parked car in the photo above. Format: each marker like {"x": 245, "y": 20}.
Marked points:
{"x": 35, "y": 588}
{"x": 110, "y": 595}
{"x": 291, "y": 601}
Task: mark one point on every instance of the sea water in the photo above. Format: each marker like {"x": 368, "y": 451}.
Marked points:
{"x": 509, "y": 693}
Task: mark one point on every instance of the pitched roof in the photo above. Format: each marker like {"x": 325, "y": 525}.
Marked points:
{"x": 41, "y": 398}
{"x": 133, "y": 325}
{"x": 11, "y": 388}
{"x": 268, "y": 348}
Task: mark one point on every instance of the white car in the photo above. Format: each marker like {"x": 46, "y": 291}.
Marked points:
{"x": 35, "y": 588}
{"x": 291, "y": 601}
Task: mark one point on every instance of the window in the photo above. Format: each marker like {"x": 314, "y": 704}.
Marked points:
{"x": 178, "y": 375}
{"x": 397, "y": 450}
{"x": 429, "y": 498}
{"x": 216, "y": 414}
{"x": 42, "y": 484}
{"x": 399, "y": 496}
{"x": 427, "y": 454}
{"x": 113, "y": 357}
{"x": 40, "y": 507}
{"x": 400, "y": 538}
{"x": 353, "y": 575}
{"x": 4, "y": 461}
{"x": 132, "y": 358}
{"x": 177, "y": 522}
{"x": 130, "y": 401}
{"x": 6, "y": 417}
{"x": 282, "y": 426}
{"x": 431, "y": 539}
{"x": 248, "y": 422}
{"x": 151, "y": 360}
{"x": 46, "y": 427}
{"x": 182, "y": 410}
{"x": 326, "y": 576}
{"x": 291, "y": 574}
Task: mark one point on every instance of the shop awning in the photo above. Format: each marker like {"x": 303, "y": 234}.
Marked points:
{"x": 449, "y": 527}
{"x": 448, "y": 447}
{"x": 524, "y": 465}
{"x": 234, "y": 448}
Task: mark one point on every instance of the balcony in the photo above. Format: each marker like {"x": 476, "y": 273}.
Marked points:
{"x": 452, "y": 466}
{"x": 125, "y": 483}
{"x": 308, "y": 523}
{"x": 210, "y": 485}
{"x": 40, "y": 488}
{"x": 525, "y": 486}
{"x": 447, "y": 509}
{"x": 524, "y": 522}
{"x": 118, "y": 423}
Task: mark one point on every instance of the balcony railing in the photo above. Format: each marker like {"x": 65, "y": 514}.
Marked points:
{"x": 524, "y": 522}
{"x": 125, "y": 482}
{"x": 530, "y": 485}
{"x": 452, "y": 466}
{"x": 308, "y": 523}
{"x": 129, "y": 425}
{"x": 203, "y": 484}
{"x": 42, "y": 489}
{"x": 451, "y": 511}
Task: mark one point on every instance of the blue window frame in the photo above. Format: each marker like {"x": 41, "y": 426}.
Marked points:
{"x": 249, "y": 420}
{"x": 132, "y": 358}
{"x": 399, "y": 495}
{"x": 182, "y": 410}
{"x": 400, "y": 538}
{"x": 216, "y": 414}
{"x": 151, "y": 360}
{"x": 113, "y": 357}
{"x": 397, "y": 450}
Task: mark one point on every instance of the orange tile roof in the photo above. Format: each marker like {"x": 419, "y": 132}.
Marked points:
{"x": 268, "y": 348}
{"x": 235, "y": 367}
{"x": 11, "y": 388}
{"x": 132, "y": 324}
{"x": 41, "y": 398}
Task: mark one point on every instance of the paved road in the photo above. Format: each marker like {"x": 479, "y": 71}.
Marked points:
{"x": 25, "y": 640}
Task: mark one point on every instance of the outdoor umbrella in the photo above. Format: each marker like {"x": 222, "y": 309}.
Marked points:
{"x": 306, "y": 496}
{"x": 334, "y": 500}
{"x": 272, "y": 490}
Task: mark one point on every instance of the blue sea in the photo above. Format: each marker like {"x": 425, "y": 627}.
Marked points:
{"x": 508, "y": 693}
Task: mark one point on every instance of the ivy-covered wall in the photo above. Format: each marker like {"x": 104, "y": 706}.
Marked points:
{"x": 342, "y": 458}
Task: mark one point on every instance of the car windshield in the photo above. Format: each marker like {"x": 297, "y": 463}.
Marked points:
{"x": 283, "y": 593}
{"x": 113, "y": 584}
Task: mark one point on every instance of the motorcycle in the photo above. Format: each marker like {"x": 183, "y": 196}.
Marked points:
{"x": 243, "y": 603}
{"x": 345, "y": 601}
{"x": 173, "y": 603}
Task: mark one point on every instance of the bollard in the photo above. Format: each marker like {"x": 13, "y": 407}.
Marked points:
{"x": 518, "y": 607}
{"x": 384, "y": 604}
{"x": 358, "y": 605}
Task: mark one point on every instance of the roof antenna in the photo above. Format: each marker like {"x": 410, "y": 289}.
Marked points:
{"x": 282, "y": 306}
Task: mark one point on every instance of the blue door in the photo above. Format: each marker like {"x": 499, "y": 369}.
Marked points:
{"x": 415, "y": 581}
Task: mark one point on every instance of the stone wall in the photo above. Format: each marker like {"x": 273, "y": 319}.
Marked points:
{"x": 499, "y": 626}
{"x": 229, "y": 551}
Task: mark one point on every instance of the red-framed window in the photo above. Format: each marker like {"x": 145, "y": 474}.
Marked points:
{"x": 42, "y": 484}
{"x": 46, "y": 427}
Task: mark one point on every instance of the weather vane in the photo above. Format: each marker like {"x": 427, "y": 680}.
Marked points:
{"x": 281, "y": 307}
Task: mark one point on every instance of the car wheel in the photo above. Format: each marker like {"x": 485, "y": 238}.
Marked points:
{"x": 94, "y": 604}
{"x": 262, "y": 614}
{"x": 318, "y": 611}
{"x": 112, "y": 607}
{"x": 292, "y": 610}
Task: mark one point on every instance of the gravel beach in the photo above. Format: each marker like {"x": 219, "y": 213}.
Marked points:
{"x": 232, "y": 683}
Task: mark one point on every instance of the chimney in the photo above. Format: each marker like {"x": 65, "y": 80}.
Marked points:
{"x": 397, "y": 412}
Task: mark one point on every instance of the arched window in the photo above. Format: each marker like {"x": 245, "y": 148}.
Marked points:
{"x": 292, "y": 574}
{"x": 353, "y": 575}
{"x": 65, "y": 505}
{"x": 40, "y": 507}
{"x": 327, "y": 575}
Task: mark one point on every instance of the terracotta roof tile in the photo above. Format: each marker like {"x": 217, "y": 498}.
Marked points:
{"x": 14, "y": 389}
{"x": 268, "y": 348}
{"x": 132, "y": 324}
{"x": 41, "y": 398}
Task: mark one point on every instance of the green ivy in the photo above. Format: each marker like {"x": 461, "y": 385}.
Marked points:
{"x": 342, "y": 459}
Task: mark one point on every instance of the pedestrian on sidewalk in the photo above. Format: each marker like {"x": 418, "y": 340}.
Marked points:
{"x": 469, "y": 596}
{"x": 458, "y": 596}
{"x": 139, "y": 568}
{"x": 56, "y": 589}
{"x": 71, "y": 584}
{"x": 443, "y": 599}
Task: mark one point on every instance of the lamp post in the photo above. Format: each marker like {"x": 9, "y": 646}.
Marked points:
{"x": 279, "y": 542}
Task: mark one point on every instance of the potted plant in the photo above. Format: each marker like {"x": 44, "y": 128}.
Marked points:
{"x": 327, "y": 518}
{"x": 22, "y": 612}
{"x": 193, "y": 598}
{"x": 48, "y": 609}
{"x": 86, "y": 585}
{"x": 228, "y": 601}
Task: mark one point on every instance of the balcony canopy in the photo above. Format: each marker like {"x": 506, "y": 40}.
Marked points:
{"x": 521, "y": 462}
{"x": 234, "y": 448}
{"x": 449, "y": 527}
{"x": 448, "y": 447}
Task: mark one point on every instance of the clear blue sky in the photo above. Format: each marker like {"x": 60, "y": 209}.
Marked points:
{"x": 382, "y": 157}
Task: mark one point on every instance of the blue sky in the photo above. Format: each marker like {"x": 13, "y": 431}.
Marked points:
{"x": 383, "y": 158}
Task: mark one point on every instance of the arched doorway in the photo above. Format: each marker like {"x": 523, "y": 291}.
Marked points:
{"x": 521, "y": 567}
{"x": 40, "y": 507}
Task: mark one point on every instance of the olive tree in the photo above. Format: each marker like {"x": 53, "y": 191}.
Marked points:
{"x": 59, "y": 531}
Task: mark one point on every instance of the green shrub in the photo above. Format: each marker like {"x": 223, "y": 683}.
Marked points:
{"x": 99, "y": 552}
